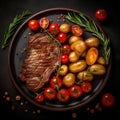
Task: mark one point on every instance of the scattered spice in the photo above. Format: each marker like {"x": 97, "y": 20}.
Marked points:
{"x": 97, "y": 105}
{"x": 74, "y": 115}
{"x": 25, "y": 36}
{"x": 6, "y": 93}
{"x": 61, "y": 18}
{"x": 18, "y": 98}
{"x": 58, "y": 20}
{"x": 95, "y": 108}
{"x": 8, "y": 98}
{"x": 21, "y": 103}
{"x": 29, "y": 33}
{"x": 38, "y": 111}
{"x": 64, "y": 20}
{"x": 23, "y": 50}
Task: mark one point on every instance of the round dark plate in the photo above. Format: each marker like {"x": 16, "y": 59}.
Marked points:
{"x": 16, "y": 58}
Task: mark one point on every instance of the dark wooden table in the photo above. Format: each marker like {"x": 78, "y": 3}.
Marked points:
{"x": 11, "y": 107}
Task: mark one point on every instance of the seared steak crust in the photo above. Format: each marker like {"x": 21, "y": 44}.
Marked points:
{"x": 41, "y": 61}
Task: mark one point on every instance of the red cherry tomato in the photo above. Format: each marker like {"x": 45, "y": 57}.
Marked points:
{"x": 64, "y": 58}
{"x": 63, "y": 95}
{"x": 66, "y": 49}
{"x": 40, "y": 98}
{"x": 75, "y": 91}
{"x": 76, "y": 30}
{"x": 54, "y": 28}
{"x": 108, "y": 100}
{"x": 86, "y": 87}
{"x": 44, "y": 22}
{"x": 101, "y": 14}
{"x": 62, "y": 37}
{"x": 33, "y": 25}
{"x": 50, "y": 93}
{"x": 56, "y": 83}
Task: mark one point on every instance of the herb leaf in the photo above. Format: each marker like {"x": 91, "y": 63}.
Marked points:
{"x": 13, "y": 26}
{"x": 90, "y": 26}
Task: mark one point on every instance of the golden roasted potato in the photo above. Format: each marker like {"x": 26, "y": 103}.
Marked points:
{"x": 73, "y": 56}
{"x": 92, "y": 56}
{"x": 63, "y": 70}
{"x": 79, "y": 46}
{"x": 85, "y": 76}
{"x": 77, "y": 66}
{"x": 92, "y": 42}
{"x": 73, "y": 39}
{"x": 69, "y": 80}
{"x": 97, "y": 69}
{"x": 101, "y": 60}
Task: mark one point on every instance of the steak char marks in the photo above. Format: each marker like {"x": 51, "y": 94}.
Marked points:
{"x": 41, "y": 61}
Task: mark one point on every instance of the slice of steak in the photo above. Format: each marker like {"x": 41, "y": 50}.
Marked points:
{"x": 41, "y": 61}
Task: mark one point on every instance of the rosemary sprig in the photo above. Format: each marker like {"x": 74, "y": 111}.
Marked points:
{"x": 13, "y": 26}
{"x": 90, "y": 26}
{"x": 60, "y": 48}
{"x": 54, "y": 39}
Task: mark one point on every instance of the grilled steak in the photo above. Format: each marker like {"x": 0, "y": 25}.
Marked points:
{"x": 41, "y": 61}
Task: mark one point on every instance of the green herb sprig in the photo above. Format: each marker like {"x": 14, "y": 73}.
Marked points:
{"x": 60, "y": 48}
{"x": 90, "y": 26}
{"x": 18, "y": 19}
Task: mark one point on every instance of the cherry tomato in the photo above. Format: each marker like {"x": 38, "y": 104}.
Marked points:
{"x": 63, "y": 95}
{"x": 108, "y": 100}
{"x": 50, "y": 93}
{"x": 33, "y": 25}
{"x": 64, "y": 58}
{"x": 76, "y": 30}
{"x": 56, "y": 83}
{"x": 62, "y": 37}
{"x": 44, "y": 22}
{"x": 86, "y": 87}
{"x": 101, "y": 14}
{"x": 75, "y": 91}
{"x": 54, "y": 28}
{"x": 40, "y": 98}
{"x": 66, "y": 49}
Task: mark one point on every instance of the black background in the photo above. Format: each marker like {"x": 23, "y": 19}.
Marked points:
{"x": 8, "y": 10}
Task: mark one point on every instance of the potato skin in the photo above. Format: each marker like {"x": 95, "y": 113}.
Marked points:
{"x": 97, "y": 69}
{"x": 77, "y": 66}
{"x": 74, "y": 38}
{"x": 79, "y": 47}
{"x": 69, "y": 79}
{"x": 91, "y": 56}
{"x": 85, "y": 76}
{"x": 73, "y": 56}
{"x": 92, "y": 42}
{"x": 101, "y": 60}
{"x": 63, "y": 70}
